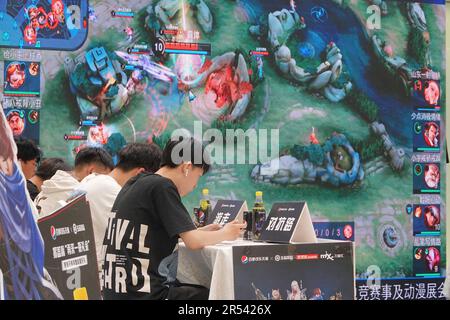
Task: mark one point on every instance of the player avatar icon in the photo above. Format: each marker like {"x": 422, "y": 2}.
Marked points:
{"x": 348, "y": 231}
{"x": 15, "y": 75}
{"x": 58, "y": 10}
{"x": 431, "y": 217}
{"x": 432, "y": 176}
{"x": 433, "y": 259}
{"x": 16, "y": 122}
{"x": 29, "y": 34}
{"x": 431, "y": 92}
{"x": 431, "y": 134}
{"x": 33, "y": 69}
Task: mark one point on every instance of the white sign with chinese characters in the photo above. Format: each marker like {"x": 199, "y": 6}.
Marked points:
{"x": 289, "y": 222}
{"x": 226, "y": 211}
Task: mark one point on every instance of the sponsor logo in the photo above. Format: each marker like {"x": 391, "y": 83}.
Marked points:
{"x": 56, "y": 232}
{"x": 244, "y": 259}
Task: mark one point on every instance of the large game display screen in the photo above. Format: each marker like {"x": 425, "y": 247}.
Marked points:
{"x": 350, "y": 92}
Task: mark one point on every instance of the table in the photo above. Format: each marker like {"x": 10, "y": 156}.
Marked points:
{"x": 211, "y": 267}
{"x": 326, "y": 267}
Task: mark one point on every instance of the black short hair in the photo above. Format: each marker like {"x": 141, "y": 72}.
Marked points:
{"x": 27, "y": 150}
{"x": 95, "y": 155}
{"x": 140, "y": 155}
{"x": 173, "y": 160}
{"x": 48, "y": 167}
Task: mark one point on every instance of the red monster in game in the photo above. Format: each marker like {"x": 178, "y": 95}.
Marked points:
{"x": 29, "y": 34}
{"x": 58, "y": 10}
{"x": 225, "y": 83}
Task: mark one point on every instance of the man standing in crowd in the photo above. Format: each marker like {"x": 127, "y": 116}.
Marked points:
{"x": 149, "y": 219}
{"x": 102, "y": 189}
{"x": 60, "y": 187}
{"x": 46, "y": 170}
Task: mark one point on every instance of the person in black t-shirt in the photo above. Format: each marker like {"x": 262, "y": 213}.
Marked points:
{"x": 149, "y": 217}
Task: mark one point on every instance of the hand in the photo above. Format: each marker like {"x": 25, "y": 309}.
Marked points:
{"x": 8, "y": 147}
{"x": 210, "y": 227}
{"x": 233, "y": 230}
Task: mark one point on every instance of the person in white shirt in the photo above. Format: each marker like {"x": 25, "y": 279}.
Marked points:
{"x": 60, "y": 187}
{"x": 101, "y": 190}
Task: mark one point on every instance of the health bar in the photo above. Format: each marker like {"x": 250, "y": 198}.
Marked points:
{"x": 75, "y": 137}
{"x": 431, "y": 109}
{"x": 260, "y": 53}
{"x": 428, "y": 149}
{"x": 22, "y": 93}
{"x": 89, "y": 123}
{"x": 122, "y": 14}
{"x": 171, "y": 32}
{"x": 430, "y": 191}
{"x": 135, "y": 51}
{"x": 428, "y": 233}
{"x": 431, "y": 275}
{"x": 188, "y": 48}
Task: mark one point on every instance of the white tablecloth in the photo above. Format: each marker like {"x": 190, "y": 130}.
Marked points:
{"x": 211, "y": 267}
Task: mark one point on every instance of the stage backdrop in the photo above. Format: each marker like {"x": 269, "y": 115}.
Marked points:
{"x": 355, "y": 90}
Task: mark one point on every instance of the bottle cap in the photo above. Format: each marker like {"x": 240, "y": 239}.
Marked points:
{"x": 259, "y": 193}
{"x": 80, "y": 294}
{"x": 205, "y": 191}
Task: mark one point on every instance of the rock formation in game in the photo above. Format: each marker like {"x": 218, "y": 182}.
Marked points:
{"x": 280, "y": 26}
{"x": 335, "y": 163}
{"x": 165, "y": 11}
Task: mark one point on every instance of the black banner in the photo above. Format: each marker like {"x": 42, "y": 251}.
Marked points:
{"x": 70, "y": 255}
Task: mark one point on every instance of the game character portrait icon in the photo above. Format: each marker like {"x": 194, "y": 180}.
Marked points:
{"x": 431, "y": 92}
{"x": 33, "y": 69}
{"x": 29, "y": 34}
{"x": 52, "y": 21}
{"x": 15, "y": 75}
{"x": 58, "y": 10}
{"x": 418, "y": 254}
{"x": 16, "y": 122}
{"x": 432, "y": 217}
{"x": 432, "y": 176}
{"x": 433, "y": 259}
{"x": 418, "y": 212}
{"x": 431, "y": 134}
{"x": 348, "y": 231}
